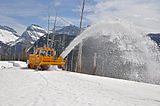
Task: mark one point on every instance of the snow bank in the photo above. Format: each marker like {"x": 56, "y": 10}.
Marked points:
{"x": 18, "y": 63}
{"x": 55, "y": 68}
{"x": 21, "y": 87}
{"x": 5, "y": 64}
{"x": 11, "y": 64}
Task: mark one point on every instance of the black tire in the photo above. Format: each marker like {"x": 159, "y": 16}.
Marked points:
{"x": 35, "y": 67}
{"x": 28, "y": 66}
{"x": 45, "y": 67}
{"x": 61, "y": 67}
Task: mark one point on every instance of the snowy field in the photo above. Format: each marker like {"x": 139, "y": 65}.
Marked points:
{"x": 20, "y": 86}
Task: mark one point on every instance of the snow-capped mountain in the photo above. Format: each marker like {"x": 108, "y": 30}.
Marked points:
{"x": 69, "y": 30}
{"x": 32, "y": 34}
{"x": 7, "y": 34}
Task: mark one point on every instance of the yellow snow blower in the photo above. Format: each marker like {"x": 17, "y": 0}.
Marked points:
{"x": 43, "y": 58}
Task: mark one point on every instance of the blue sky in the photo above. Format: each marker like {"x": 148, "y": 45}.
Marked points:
{"x": 21, "y": 13}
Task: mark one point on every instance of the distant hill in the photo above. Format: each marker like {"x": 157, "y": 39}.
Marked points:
{"x": 155, "y": 37}
{"x": 13, "y": 45}
{"x": 32, "y": 34}
{"x": 69, "y": 30}
{"x": 7, "y": 34}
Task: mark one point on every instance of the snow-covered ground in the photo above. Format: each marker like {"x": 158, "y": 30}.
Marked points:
{"x": 20, "y": 86}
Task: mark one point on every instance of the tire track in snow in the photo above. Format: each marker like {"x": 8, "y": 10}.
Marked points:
{"x": 44, "y": 86}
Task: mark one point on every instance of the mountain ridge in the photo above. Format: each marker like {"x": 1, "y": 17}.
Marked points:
{"x": 69, "y": 30}
{"x": 7, "y": 34}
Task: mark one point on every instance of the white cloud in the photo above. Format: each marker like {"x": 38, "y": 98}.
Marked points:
{"x": 57, "y": 4}
{"x": 63, "y": 21}
{"x": 4, "y": 20}
{"x": 143, "y": 13}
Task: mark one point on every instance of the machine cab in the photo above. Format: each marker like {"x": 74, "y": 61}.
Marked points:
{"x": 45, "y": 52}
{"x": 44, "y": 57}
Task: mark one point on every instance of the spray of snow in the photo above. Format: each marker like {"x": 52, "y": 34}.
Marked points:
{"x": 135, "y": 46}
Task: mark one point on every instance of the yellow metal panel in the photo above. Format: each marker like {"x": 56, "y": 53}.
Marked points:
{"x": 37, "y": 60}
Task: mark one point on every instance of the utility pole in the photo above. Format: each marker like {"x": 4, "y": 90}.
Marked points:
{"x": 14, "y": 58}
{"x": 72, "y": 60}
{"x": 81, "y": 44}
{"x": 54, "y": 28}
{"x": 102, "y": 68}
{"x": 82, "y": 16}
{"x": 0, "y": 53}
{"x": 63, "y": 42}
{"x": 48, "y": 28}
{"x": 94, "y": 63}
{"x": 66, "y": 67}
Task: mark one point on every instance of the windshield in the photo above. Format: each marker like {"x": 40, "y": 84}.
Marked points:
{"x": 37, "y": 52}
{"x": 50, "y": 53}
{"x": 43, "y": 53}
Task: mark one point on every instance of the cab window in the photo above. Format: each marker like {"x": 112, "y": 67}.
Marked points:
{"x": 37, "y": 52}
{"x": 50, "y": 53}
{"x": 43, "y": 53}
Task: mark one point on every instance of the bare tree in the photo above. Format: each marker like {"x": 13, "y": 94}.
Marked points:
{"x": 79, "y": 62}
{"x": 48, "y": 27}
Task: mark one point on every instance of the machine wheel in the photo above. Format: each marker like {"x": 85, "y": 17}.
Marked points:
{"x": 31, "y": 66}
{"x": 61, "y": 67}
{"x": 45, "y": 67}
{"x": 28, "y": 66}
{"x": 35, "y": 67}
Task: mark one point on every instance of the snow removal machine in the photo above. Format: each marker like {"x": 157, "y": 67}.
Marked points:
{"x": 43, "y": 58}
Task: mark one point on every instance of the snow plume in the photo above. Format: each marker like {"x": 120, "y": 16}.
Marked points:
{"x": 143, "y": 13}
{"x": 122, "y": 47}
{"x": 123, "y": 51}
